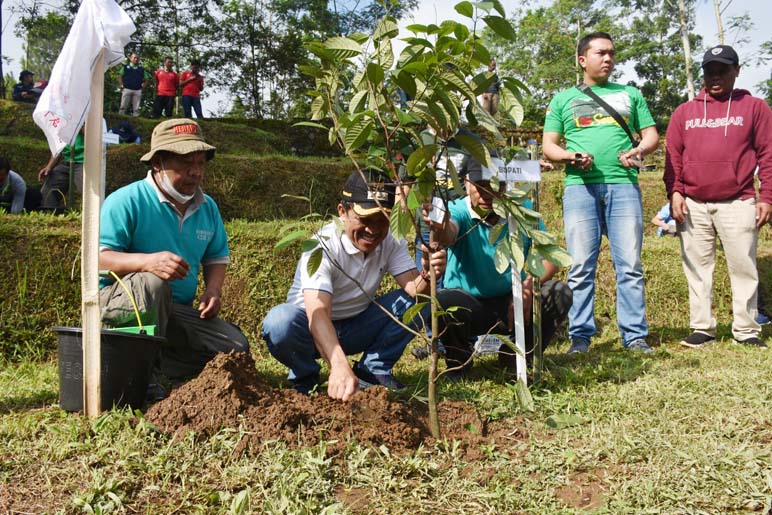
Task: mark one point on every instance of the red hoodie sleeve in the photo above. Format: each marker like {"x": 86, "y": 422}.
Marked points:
{"x": 762, "y": 144}
{"x": 674, "y": 149}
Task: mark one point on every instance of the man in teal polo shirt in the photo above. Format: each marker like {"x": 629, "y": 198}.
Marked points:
{"x": 472, "y": 283}
{"x": 156, "y": 234}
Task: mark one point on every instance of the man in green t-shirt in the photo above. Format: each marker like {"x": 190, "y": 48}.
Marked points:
{"x": 602, "y": 194}
{"x": 55, "y": 175}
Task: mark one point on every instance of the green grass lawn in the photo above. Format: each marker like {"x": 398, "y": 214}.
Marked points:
{"x": 680, "y": 431}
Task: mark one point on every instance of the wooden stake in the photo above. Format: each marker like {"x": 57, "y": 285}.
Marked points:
{"x": 92, "y": 189}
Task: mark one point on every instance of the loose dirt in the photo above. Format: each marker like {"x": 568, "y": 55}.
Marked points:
{"x": 228, "y": 393}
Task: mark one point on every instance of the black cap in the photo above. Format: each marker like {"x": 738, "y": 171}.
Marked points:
{"x": 721, "y": 54}
{"x": 369, "y": 194}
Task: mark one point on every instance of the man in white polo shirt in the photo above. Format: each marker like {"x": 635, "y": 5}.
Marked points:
{"x": 333, "y": 312}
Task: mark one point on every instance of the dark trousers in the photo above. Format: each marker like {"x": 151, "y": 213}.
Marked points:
{"x": 165, "y": 104}
{"x": 476, "y": 316}
{"x": 57, "y": 185}
{"x": 189, "y": 102}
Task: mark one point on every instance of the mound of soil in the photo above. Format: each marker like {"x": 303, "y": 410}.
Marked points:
{"x": 228, "y": 393}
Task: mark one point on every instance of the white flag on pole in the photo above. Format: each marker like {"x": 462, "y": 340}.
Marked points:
{"x": 62, "y": 108}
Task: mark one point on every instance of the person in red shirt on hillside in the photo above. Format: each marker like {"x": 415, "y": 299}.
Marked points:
{"x": 167, "y": 81}
{"x": 714, "y": 144}
{"x": 192, "y": 82}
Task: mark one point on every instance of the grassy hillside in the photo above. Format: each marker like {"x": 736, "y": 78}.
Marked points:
{"x": 610, "y": 432}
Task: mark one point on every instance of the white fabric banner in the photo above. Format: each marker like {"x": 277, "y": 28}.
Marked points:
{"x": 62, "y": 108}
{"x": 523, "y": 171}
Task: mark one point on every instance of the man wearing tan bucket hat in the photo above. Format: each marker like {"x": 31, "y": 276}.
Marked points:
{"x": 156, "y": 234}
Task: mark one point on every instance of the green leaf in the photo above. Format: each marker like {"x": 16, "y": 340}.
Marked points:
{"x": 515, "y": 243}
{"x": 449, "y": 106}
{"x": 461, "y": 33}
{"x": 411, "y": 312}
{"x": 314, "y": 260}
{"x": 465, "y": 9}
{"x": 310, "y": 124}
{"x": 523, "y": 397}
{"x": 387, "y": 28}
{"x": 516, "y": 86}
{"x": 357, "y": 102}
{"x": 511, "y": 107}
{"x": 419, "y": 159}
{"x": 400, "y": 223}
{"x": 342, "y": 48}
{"x": 241, "y": 503}
{"x": 485, "y": 119}
{"x": 374, "y": 73}
{"x": 534, "y": 263}
{"x": 289, "y": 239}
{"x": 319, "y": 108}
{"x": 501, "y": 27}
{"x": 405, "y": 81}
{"x": 457, "y": 83}
{"x": 309, "y": 245}
{"x": 564, "y": 420}
{"x": 555, "y": 255}
{"x": 418, "y": 42}
{"x": 499, "y": 8}
{"x": 359, "y": 37}
{"x": 485, "y": 6}
{"x": 310, "y": 70}
{"x": 540, "y": 237}
{"x": 481, "y": 54}
{"x": 385, "y": 54}
{"x": 417, "y": 28}
{"x": 442, "y": 119}
{"x": 458, "y": 187}
{"x": 501, "y": 258}
{"x": 495, "y": 233}
{"x": 358, "y": 134}
{"x": 413, "y": 202}
{"x": 416, "y": 68}
{"x": 475, "y": 147}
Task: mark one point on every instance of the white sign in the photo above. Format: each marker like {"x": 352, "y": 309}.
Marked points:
{"x": 521, "y": 171}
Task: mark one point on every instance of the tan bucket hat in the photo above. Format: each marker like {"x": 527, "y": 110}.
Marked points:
{"x": 181, "y": 136}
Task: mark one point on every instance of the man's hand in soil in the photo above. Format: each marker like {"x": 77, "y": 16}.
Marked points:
{"x": 167, "y": 265}
{"x": 342, "y": 383}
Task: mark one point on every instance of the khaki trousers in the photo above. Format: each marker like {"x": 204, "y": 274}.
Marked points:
{"x": 191, "y": 341}
{"x": 734, "y": 222}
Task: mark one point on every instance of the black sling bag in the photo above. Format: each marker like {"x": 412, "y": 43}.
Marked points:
{"x": 584, "y": 88}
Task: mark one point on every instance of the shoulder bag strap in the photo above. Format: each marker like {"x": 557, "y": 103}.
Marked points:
{"x": 584, "y": 88}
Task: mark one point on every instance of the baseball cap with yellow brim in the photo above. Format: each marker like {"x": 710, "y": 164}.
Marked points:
{"x": 180, "y": 136}
{"x": 368, "y": 192}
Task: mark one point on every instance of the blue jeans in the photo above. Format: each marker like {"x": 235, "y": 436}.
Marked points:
{"x": 195, "y": 103}
{"x": 285, "y": 330}
{"x": 589, "y": 212}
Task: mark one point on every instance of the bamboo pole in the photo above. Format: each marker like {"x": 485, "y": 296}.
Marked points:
{"x": 92, "y": 189}
{"x": 517, "y": 306}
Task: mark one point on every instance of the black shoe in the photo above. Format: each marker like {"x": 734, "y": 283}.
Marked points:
{"x": 155, "y": 392}
{"x": 421, "y": 352}
{"x": 752, "y": 342}
{"x": 697, "y": 339}
{"x": 306, "y": 386}
{"x": 368, "y": 379}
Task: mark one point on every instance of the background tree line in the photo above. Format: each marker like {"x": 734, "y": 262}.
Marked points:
{"x": 251, "y": 49}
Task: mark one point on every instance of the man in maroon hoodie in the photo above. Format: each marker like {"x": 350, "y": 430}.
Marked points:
{"x": 714, "y": 144}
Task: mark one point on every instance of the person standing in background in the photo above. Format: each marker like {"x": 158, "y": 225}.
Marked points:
{"x": 192, "y": 83}
{"x": 167, "y": 81}
{"x": 133, "y": 81}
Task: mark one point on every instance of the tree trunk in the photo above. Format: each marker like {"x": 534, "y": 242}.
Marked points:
{"x": 684, "y": 21}
{"x": 717, "y": 8}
